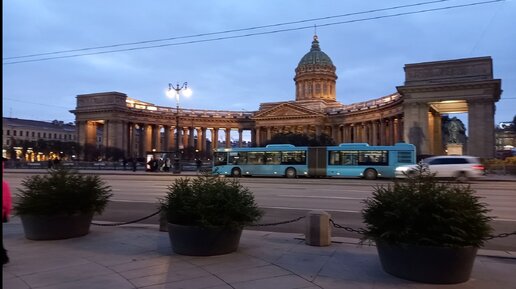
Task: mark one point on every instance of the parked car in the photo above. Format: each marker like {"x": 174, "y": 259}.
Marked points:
{"x": 460, "y": 168}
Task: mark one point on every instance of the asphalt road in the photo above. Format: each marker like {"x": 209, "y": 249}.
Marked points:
{"x": 136, "y": 196}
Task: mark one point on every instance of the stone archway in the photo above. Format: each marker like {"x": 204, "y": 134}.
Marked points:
{"x": 453, "y": 86}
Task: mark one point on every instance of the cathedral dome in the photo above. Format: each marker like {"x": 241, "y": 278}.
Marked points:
{"x": 315, "y": 76}
{"x": 315, "y": 55}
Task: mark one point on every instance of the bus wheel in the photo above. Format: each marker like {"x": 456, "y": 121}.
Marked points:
{"x": 370, "y": 174}
{"x": 290, "y": 173}
{"x": 236, "y": 173}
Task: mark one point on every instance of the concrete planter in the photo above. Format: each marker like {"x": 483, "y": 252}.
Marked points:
{"x": 427, "y": 264}
{"x": 197, "y": 241}
{"x": 42, "y": 227}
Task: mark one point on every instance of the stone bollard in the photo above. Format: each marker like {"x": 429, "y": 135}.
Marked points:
{"x": 318, "y": 230}
{"x": 163, "y": 224}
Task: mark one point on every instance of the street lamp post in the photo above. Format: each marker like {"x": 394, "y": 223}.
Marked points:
{"x": 175, "y": 92}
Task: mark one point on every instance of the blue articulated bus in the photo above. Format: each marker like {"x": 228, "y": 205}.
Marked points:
{"x": 350, "y": 160}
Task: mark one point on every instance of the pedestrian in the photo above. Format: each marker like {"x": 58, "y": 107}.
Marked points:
{"x": 124, "y": 162}
{"x": 134, "y": 164}
{"x": 167, "y": 164}
{"x": 6, "y": 210}
{"x": 198, "y": 163}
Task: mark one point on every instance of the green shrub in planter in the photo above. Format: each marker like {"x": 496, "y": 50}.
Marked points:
{"x": 421, "y": 212}
{"x": 206, "y": 214}
{"x": 63, "y": 197}
{"x": 210, "y": 201}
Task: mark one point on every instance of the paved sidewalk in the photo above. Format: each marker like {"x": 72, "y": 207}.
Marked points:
{"x": 141, "y": 257}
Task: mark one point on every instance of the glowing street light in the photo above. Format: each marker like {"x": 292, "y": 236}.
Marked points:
{"x": 183, "y": 90}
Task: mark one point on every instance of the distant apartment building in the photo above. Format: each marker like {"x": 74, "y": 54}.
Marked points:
{"x": 19, "y": 134}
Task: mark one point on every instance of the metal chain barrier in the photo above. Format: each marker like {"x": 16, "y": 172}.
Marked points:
{"x": 349, "y": 229}
{"x": 278, "y": 223}
{"x": 361, "y": 231}
{"x": 126, "y": 223}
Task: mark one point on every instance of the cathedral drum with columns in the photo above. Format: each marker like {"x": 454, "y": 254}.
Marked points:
{"x": 412, "y": 114}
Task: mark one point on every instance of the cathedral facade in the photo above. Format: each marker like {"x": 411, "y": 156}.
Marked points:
{"x": 411, "y": 114}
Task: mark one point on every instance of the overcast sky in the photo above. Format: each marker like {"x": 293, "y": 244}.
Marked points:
{"x": 241, "y": 72}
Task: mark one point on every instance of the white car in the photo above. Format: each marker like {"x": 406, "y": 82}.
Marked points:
{"x": 460, "y": 168}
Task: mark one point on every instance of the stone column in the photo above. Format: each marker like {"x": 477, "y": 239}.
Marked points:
{"x": 228, "y": 137}
{"x": 166, "y": 138}
{"x": 133, "y": 140}
{"x": 341, "y": 134}
{"x": 258, "y": 137}
{"x": 185, "y": 138}
{"x": 392, "y": 130}
{"x": 240, "y": 131}
{"x": 347, "y": 133}
{"x": 124, "y": 127}
{"x": 396, "y": 130}
{"x": 368, "y": 133}
{"x": 191, "y": 137}
{"x": 318, "y": 130}
{"x": 431, "y": 132}
{"x": 415, "y": 128}
{"x": 117, "y": 135}
{"x": 438, "y": 135}
{"x": 253, "y": 137}
{"x": 146, "y": 141}
{"x": 269, "y": 133}
{"x": 105, "y": 134}
{"x": 199, "y": 139}
{"x": 204, "y": 149}
{"x": 358, "y": 128}
{"x": 335, "y": 133}
{"x": 481, "y": 135}
{"x": 91, "y": 133}
{"x": 374, "y": 128}
{"x": 214, "y": 138}
{"x": 400, "y": 128}
{"x": 382, "y": 131}
{"x": 155, "y": 137}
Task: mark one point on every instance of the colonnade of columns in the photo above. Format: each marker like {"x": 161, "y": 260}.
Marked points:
{"x": 135, "y": 139}
{"x": 384, "y": 131}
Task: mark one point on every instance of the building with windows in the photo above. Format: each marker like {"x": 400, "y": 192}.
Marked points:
{"x": 26, "y": 138}
{"x": 412, "y": 113}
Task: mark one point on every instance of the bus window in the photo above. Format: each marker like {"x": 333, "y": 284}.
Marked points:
{"x": 293, "y": 158}
{"x": 255, "y": 158}
{"x": 220, "y": 159}
{"x": 377, "y": 158}
{"x": 273, "y": 158}
{"x": 238, "y": 158}
{"x": 343, "y": 158}
{"x": 334, "y": 158}
{"x": 349, "y": 158}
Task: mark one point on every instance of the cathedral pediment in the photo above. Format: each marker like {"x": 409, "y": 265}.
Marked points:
{"x": 286, "y": 110}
